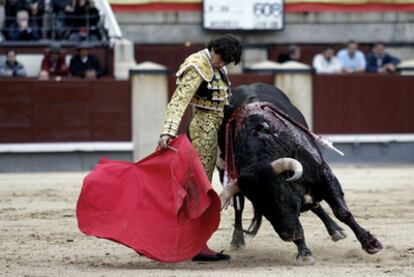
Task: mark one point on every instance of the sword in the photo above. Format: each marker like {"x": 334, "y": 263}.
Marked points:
{"x": 172, "y": 148}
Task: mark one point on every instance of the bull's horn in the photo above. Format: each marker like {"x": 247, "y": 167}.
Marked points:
{"x": 284, "y": 164}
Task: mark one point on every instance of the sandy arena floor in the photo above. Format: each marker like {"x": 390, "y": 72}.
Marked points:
{"x": 39, "y": 234}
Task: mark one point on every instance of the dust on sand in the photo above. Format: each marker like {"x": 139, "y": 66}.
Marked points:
{"x": 39, "y": 234}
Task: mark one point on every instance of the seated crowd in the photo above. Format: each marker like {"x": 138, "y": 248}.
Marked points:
{"x": 31, "y": 20}
{"x": 53, "y": 65}
{"x": 84, "y": 65}
{"x": 353, "y": 60}
{"x": 347, "y": 60}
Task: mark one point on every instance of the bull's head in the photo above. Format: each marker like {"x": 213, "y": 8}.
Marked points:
{"x": 279, "y": 166}
{"x": 276, "y": 197}
{"x": 284, "y": 207}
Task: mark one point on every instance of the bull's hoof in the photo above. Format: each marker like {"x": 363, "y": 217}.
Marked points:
{"x": 305, "y": 259}
{"x": 237, "y": 247}
{"x": 371, "y": 244}
{"x": 237, "y": 242}
{"x": 338, "y": 235}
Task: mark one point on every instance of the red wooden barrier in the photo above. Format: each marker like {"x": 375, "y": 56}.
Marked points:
{"x": 345, "y": 104}
{"x": 170, "y": 56}
{"x": 70, "y": 110}
{"x": 78, "y": 110}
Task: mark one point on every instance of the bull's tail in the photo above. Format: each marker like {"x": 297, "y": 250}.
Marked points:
{"x": 254, "y": 224}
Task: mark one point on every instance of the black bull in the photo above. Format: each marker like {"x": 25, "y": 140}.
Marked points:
{"x": 262, "y": 127}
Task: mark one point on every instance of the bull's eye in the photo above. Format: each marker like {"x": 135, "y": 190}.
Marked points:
{"x": 265, "y": 126}
{"x": 262, "y": 127}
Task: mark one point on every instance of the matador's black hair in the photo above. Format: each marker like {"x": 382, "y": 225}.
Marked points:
{"x": 228, "y": 47}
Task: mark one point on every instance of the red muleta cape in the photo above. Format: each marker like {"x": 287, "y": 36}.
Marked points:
{"x": 162, "y": 206}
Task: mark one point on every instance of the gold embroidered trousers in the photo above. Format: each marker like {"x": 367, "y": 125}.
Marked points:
{"x": 203, "y": 132}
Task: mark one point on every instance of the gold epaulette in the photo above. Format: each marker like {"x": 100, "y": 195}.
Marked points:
{"x": 201, "y": 63}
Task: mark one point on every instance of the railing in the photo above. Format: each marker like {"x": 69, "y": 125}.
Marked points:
{"x": 60, "y": 27}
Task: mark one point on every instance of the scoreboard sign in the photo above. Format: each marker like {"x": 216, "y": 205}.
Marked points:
{"x": 243, "y": 14}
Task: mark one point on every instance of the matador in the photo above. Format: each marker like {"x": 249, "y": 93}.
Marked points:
{"x": 203, "y": 83}
{"x": 207, "y": 90}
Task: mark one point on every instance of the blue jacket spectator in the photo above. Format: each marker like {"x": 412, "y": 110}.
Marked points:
{"x": 352, "y": 59}
{"x": 11, "y": 67}
{"x": 22, "y": 30}
{"x": 378, "y": 61}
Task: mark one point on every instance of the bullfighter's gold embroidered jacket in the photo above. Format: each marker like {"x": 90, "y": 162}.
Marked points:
{"x": 198, "y": 84}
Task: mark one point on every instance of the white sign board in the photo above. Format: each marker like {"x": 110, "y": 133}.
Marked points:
{"x": 243, "y": 14}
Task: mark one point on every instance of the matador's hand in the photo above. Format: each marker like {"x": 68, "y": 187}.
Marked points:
{"x": 164, "y": 141}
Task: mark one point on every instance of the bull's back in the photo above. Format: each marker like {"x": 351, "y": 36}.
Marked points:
{"x": 262, "y": 92}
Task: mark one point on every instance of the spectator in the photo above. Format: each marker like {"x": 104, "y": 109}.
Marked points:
{"x": 21, "y": 29}
{"x": 326, "y": 62}
{"x": 61, "y": 8}
{"x": 84, "y": 21}
{"x": 11, "y": 9}
{"x": 11, "y": 67}
{"x": 85, "y": 65}
{"x": 53, "y": 63}
{"x": 379, "y": 61}
{"x": 293, "y": 54}
{"x": 352, "y": 59}
{"x": 36, "y": 12}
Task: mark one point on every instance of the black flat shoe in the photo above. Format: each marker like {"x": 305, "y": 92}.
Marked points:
{"x": 211, "y": 258}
